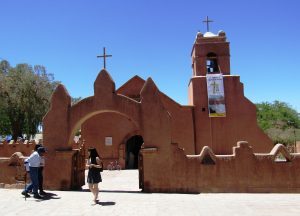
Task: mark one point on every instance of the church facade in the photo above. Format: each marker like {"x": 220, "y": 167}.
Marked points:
{"x": 117, "y": 137}
{"x": 213, "y": 144}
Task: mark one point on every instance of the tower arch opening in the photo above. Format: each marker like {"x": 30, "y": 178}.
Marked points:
{"x": 212, "y": 63}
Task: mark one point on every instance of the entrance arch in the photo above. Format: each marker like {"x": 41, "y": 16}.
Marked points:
{"x": 132, "y": 149}
{"x": 105, "y": 132}
{"x": 63, "y": 120}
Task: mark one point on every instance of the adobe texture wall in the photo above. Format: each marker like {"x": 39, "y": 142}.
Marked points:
{"x": 241, "y": 172}
{"x": 220, "y": 133}
{"x": 7, "y": 149}
{"x": 12, "y": 169}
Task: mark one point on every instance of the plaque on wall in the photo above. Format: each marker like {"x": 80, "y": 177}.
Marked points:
{"x": 108, "y": 141}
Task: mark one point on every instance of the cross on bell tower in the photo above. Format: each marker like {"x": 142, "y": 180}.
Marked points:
{"x": 104, "y": 56}
{"x": 207, "y": 21}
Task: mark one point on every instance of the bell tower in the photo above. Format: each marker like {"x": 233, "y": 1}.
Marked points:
{"x": 225, "y": 116}
{"x": 210, "y": 54}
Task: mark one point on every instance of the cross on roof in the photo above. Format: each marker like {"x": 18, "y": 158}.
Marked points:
{"x": 104, "y": 56}
{"x": 207, "y": 21}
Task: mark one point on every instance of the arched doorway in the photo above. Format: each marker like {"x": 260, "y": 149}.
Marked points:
{"x": 132, "y": 149}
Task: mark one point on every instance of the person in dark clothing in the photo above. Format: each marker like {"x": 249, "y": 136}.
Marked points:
{"x": 41, "y": 177}
{"x": 34, "y": 162}
{"x": 40, "y": 172}
{"x": 94, "y": 165}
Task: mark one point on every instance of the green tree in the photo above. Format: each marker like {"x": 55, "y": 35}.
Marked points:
{"x": 25, "y": 93}
{"x": 279, "y": 121}
{"x": 276, "y": 115}
{"x": 4, "y": 120}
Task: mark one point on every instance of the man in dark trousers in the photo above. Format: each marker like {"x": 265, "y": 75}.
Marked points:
{"x": 40, "y": 171}
{"x": 40, "y": 175}
{"x": 34, "y": 161}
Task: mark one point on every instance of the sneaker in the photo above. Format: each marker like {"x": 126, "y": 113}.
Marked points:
{"x": 36, "y": 196}
{"x": 25, "y": 194}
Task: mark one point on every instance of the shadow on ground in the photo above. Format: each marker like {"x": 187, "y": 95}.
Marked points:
{"x": 48, "y": 196}
{"x": 106, "y": 203}
{"x": 113, "y": 191}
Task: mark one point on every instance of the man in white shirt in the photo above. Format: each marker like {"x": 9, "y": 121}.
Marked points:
{"x": 34, "y": 161}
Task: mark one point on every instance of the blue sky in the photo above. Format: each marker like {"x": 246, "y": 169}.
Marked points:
{"x": 154, "y": 39}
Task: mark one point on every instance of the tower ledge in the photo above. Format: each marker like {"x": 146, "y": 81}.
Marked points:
{"x": 210, "y": 37}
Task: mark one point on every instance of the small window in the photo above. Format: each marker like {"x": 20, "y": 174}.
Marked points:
{"x": 212, "y": 63}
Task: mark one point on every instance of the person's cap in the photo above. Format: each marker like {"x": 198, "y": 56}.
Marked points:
{"x": 41, "y": 150}
{"x": 37, "y": 146}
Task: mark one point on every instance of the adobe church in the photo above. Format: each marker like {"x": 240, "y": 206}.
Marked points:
{"x": 213, "y": 144}
{"x": 118, "y": 137}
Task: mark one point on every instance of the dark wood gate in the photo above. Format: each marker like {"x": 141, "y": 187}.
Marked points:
{"x": 78, "y": 167}
{"x": 141, "y": 171}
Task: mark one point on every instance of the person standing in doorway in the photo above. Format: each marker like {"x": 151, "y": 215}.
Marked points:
{"x": 94, "y": 165}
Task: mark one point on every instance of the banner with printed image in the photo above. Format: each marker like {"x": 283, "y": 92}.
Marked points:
{"x": 215, "y": 94}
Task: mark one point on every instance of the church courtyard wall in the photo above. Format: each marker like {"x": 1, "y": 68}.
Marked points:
{"x": 9, "y": 148}
{"x": 242, "y": 172}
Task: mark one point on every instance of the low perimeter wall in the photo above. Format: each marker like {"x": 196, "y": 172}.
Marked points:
{"x": 12, "y": 171}
{"x": 9, "y": 148}
{"x": 173, "y": 171}
{"x": 243, "y": 171}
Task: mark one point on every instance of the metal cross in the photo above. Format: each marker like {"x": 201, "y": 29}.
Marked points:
{"x": 207, "y": 21}
{"x": 104, "y": 56}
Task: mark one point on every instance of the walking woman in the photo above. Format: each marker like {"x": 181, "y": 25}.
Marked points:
{"x": 94, "y": 165}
